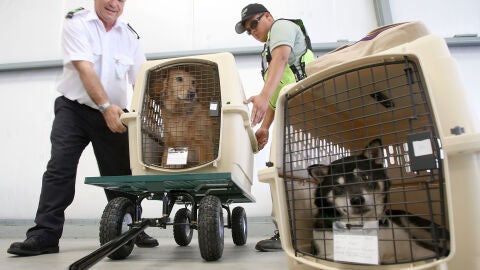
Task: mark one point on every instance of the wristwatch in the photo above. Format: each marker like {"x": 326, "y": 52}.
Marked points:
{"x": 103, "y": 107}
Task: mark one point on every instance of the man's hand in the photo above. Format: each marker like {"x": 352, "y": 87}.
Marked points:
{"x": 95, "y": 90}
{"x": 260, "y": 106}
{"x": 112, "y": 118}
{"x": 276, "y": 67}
{"x": 262, "y": 137}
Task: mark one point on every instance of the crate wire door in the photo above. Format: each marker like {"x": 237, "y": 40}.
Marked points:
{"x": 336, "y": 117}
{"x": 173, "y": 121}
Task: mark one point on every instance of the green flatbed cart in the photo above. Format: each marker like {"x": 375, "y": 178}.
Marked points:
{"x": 204, "y": 196}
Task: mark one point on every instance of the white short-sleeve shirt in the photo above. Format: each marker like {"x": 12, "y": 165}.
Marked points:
{"x": 116, "y": 56}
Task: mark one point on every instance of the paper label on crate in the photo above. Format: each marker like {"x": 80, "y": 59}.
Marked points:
{"x": 213, "y": 106}
{"x": 177, "y": 156}
{"x": 422, "y": 148}
{"x": 356, "y": 244}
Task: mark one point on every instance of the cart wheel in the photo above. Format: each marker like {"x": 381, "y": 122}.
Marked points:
{"x": 239, "y": 226}
{"x": 182, "y": 233}
{"x": 210, "y": 228}
{"x": 116, "y": 217}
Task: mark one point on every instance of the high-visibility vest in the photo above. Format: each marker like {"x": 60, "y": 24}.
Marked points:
{"x": 291, "y": 73}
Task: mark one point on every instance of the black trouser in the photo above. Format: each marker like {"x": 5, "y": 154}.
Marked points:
{"x": 74, "y": 127}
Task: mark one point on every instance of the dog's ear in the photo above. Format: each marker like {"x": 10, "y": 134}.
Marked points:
{"x": 317, "y": 171}
{"x": 165, "y": 82}
{"x": 374, "y": 150}
{"x": 155, "y": 85}
{"x": 164, "y": 86}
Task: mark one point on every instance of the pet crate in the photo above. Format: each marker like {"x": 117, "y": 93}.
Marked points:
{"x": 187, "y": 116}
{"x": 411, "y": 99}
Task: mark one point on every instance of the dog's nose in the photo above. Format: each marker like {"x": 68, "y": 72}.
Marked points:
{"x": 357, "y": 200}
{"x": 191, "y": 94}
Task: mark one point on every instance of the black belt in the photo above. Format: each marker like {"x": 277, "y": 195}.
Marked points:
{"x": 76, "y": 103}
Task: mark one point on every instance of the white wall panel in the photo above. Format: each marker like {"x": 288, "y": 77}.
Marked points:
{"x": 172, "y": 26}
{"x": 444, "y": 18}
{"x": 30, "y": 30}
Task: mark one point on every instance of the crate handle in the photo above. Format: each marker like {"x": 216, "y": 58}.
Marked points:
{"x": 242, "y": 110}
{"x": 126, "y": 117}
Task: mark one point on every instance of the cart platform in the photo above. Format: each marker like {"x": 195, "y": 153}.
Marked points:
{"x": 198, "y": 185}
{"x": 205, "y": 196}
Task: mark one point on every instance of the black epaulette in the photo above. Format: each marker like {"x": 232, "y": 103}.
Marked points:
{"x": 72, "y": 12}
{"x": 133, "y": 30}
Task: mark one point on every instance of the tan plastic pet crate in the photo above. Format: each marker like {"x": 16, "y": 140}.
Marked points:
{"x": 408, "y": 100}
{"x": 210, "y": 134}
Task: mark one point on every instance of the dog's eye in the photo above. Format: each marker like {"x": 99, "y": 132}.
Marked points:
{"x": 338, "y": 190}
{"x": 179, "y": 79}
{"x": 372, "y": 184}
{"x": 365, "y": 177}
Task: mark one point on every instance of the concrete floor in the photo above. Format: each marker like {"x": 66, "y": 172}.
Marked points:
{"x": 81, "y": 237}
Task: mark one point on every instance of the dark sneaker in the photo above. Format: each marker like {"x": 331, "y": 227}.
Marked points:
{"x": 272, "y": 244}
{"x": 34, "y": 245}
{"x": 144, "y": 240}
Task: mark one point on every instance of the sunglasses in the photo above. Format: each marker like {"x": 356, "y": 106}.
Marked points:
{"x": 254, "y": 24}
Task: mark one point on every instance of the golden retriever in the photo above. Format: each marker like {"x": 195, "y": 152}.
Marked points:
{"x": 186, "y": 121}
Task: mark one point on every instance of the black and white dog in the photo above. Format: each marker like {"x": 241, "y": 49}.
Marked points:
{"x": 354, "y": 190}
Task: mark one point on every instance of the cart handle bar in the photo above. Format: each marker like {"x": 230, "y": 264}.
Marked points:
{"x": 110, "y": 247}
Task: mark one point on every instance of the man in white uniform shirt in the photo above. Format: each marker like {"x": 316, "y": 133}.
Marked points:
{"x": 102, "y": 55}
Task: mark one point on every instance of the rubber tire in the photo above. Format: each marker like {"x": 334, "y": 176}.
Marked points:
{"x": 210, "y": 228}
{"x": 182, "y": 232}
{"x": 239, "y": 226}
{"x": 118, "y": 213}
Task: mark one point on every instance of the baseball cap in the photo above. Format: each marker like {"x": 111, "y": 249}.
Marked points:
{"x": 247, "y": 13}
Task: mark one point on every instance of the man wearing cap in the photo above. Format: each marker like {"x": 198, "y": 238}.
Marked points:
{"x": 286, "y": 50}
